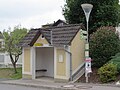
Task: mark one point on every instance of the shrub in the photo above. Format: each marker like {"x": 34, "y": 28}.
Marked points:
{"x": 116, "y": 60}
{"x": 104, "y": 43}
{"x": 108, "y": 72}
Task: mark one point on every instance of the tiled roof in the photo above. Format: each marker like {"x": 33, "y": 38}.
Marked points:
{"x": 61, "y": 35}
{"x": 29, "y": 38}
{"x": 57, "y": 23}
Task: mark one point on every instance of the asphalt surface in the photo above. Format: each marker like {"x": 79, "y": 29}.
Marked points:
{"x": 4, "y": 79}
{"x": 16, "y": 87}
{"x": 104, "y": 88}
{"x": 42, "y": 85}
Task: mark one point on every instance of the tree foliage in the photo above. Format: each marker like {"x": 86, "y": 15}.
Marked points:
{"x": 12, "y": 38}
{"x": 104, "y": 43}
{"x": 116, "y": 60}
{"x": 104, "y": 13}
{"x": 108, "y": 72}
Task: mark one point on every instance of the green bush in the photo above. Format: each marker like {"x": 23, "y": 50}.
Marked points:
{"x": 104, "y": 43}
{"x": 108, "y": 72}
{"x": 116, "y": 60}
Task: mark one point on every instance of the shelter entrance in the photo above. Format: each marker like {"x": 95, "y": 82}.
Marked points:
{"x": 44, "y": 66}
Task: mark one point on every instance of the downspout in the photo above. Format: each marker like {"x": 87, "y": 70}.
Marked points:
{"x": 70, "y": 62}
{"x": 51, "y": 38}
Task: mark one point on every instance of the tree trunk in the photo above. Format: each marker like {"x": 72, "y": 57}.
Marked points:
{"x": 13, "y": 63}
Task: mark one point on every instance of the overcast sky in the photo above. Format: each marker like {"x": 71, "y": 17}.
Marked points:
{"x": 29, "y": 13}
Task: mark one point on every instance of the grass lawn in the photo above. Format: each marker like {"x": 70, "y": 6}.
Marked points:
{"x": 8, "y": 73}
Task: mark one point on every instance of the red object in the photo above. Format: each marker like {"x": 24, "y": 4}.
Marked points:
{"x": 88, "y": 59}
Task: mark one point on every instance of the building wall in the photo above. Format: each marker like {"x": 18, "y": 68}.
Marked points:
{"x": 2, "y": 58}
{"x": 41, "y": 40}
{"x": 2, "y": 43}
{"x": 7, "y": 59}
{"x": 27, "y": 60}
{"x": 78, "y": 50}
{"x": 61, "y": 64}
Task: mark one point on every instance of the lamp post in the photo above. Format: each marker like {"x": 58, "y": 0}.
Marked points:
{"x": 87, "y": 8}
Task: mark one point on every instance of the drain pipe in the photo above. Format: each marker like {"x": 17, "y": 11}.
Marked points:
{"x": 71, "y": 79}
{"x": 51, "y": 37}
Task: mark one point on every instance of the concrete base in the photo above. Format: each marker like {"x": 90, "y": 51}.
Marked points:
{"x": 61, "y": 80}
{"x": 45, "y": 79}
{"x": 26, "y": 76}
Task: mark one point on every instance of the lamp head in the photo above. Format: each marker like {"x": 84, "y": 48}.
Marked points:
{"x": 87, "y": 9}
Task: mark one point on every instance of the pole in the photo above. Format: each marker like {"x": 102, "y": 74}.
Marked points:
{"x": 71, "y": 67}
{"x": 70, "y": 64}
{"x": 51, "y": 37}
{"x": 87, "y": 10}
{"x": 88, "y": 49}
{"x": 86, "y": 77}
{"x": 87, "y": 33}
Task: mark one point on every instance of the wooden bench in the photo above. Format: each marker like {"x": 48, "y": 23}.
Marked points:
{"x": 41, "y": 70}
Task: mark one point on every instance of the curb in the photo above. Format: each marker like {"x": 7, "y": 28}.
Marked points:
{"x": 59, "y": 87}
{"x": 40, "y": 86}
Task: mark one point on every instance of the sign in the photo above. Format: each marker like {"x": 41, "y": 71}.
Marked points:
{"x": 60, "y": 58}
{"x": 88, "y": 59}
{"x": 38, "y": 44}
{"x": 83, "y": 34}
{"x": 87, "y": 46}
{"x": 86, "y": 53}
{"x": 88, "y": 65}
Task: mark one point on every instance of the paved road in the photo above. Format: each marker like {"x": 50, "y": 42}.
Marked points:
{"x": 95, "y": 87}
{"x": 16, "y": 87}
{"x": 104, "y": 88}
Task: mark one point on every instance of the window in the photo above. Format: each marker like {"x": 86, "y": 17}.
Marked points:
{"x": 1, "y": 58}
{"x": 0, "y": 44}
{"x": 42, "y": 37}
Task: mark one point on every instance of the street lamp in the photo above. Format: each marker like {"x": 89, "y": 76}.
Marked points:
{"x": 87, "y": 8}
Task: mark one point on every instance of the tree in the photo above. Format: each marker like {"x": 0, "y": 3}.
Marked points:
{"x": 104, "y": 43}
{"x": 104, "y": 13}
{"x": 11, "y": 44}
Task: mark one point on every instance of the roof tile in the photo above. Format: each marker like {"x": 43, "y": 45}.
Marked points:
{"x": 61, "y": 35}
